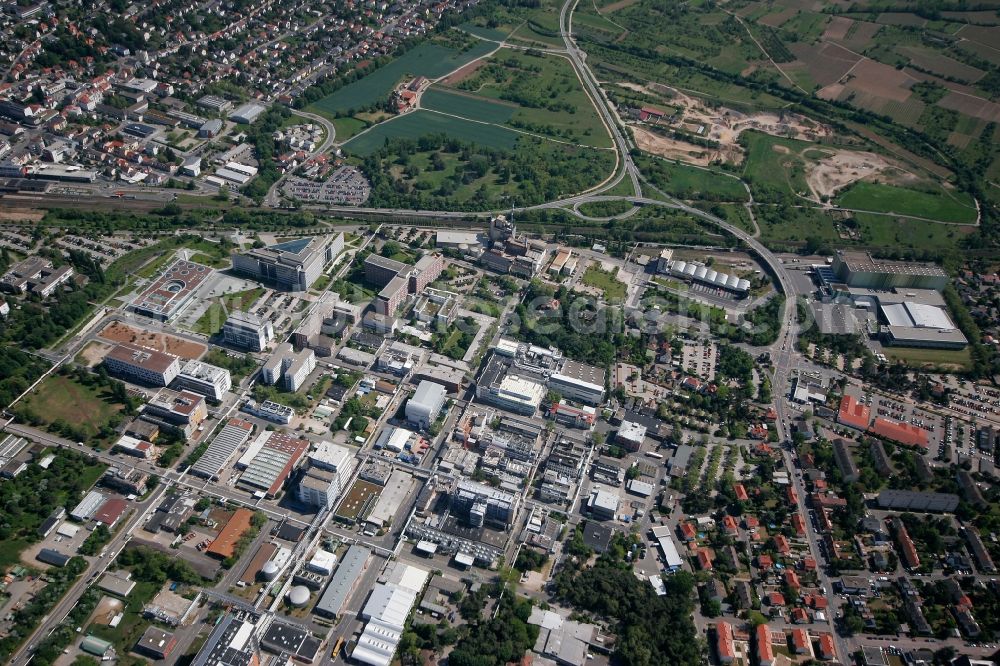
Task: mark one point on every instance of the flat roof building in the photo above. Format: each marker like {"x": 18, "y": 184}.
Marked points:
{"x": 233, "y": 435}
{"x": 247, "y": 331}
{"x": 142, "y": 364}
{"x": 424, "y": 406}
{"x": 343, "y": 582}
{"x": 35, "y": 275}
{"x": 478, "y": 503}
{"x": 209, "y": 380}
{"x": 169, "y": 292}
{"x": 293, "y": 265}
{"x": 156, "y": 643}
{"x": 288, "y": 367}
{"x": 861, "y": 269}
{"x": 248, "y": 113}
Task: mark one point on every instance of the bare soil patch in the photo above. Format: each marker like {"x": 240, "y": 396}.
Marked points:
{"x": 880, "y": 80}
{"x": 671, "y": 148}
{"x": 778, "y": 18}
{"x": 94, "y": 353}
{"x": 21, "y": 215}
{"x": 841, "y": 168}
{"x": 464, "y": 73}
{"x": 119, "y": 332}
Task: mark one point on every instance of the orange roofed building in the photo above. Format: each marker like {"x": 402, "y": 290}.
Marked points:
{"x": 225, "y": 543}
{"x": 904, "y": 433}
{"x": 852, "y": 413}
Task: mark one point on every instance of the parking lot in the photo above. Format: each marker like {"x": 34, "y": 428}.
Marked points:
{"x": 347, "y": 185}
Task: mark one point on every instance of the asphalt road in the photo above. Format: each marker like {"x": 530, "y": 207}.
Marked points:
{"x": 95, "y": 567}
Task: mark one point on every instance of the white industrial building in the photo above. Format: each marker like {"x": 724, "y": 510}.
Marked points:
{"x": 424, "y": 406}
{"x": 702, "y": 274}
{"x": 322, "y": 562}
{"x": 208, "y": 380}
{"x": 394, "y": 439}
{"x": 385, "y": 613}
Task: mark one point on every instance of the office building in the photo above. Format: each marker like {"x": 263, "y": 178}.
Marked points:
{"x": 603, "y": 505}
{"x": 209, "y": 380}
{"x": 330, "y": 468}
{"x": 247, "y": 331}
{"x": 35, "y": 275}
{"x": 423, "y": 407}
{"x": 270, "y": 410}
{"x": 325, "y": 319}
{"x": 479, "y": 504}
{"x": 293, "y": 265}
{"x": 631, "y": 436}
{"x": 392, "y": 296}
{"x": 288, "y": 368}
{"x": 579, "y": 381}
{"x": 427, "y": 269}
{"x": 860, "y": 269}
{"x": 143, "y": 365}
{"x": 178, "y": 410}
{"x": 380, "y": 270}
{"x": 501, "y": 384}
{"x": 171, "y": 290}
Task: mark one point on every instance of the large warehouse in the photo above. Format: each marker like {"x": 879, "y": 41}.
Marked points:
{"x": 860, "y": 269}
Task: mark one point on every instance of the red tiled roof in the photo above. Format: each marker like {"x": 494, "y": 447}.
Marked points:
{"x": 782, "y": 544}
{"x": 800, "y": 640}
{"x": 765, "y": 654}
{"x": 704, "y": 560}
{"x": 853, "y": 413}
{"x": 741, "y": 492}
{"x": 904, "y": 433}
{"x": 725, "y": 646}
{"x": 826, "y": 649}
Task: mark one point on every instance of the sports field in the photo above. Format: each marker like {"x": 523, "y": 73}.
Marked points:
{"x": 416, "y": 124}
{"x": 945, "y": 206}
{"x": 428, "y": 59}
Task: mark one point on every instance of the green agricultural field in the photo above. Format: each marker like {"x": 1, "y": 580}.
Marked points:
{"x": 466, "y": 105}
{"x": 900, "y": 233}
{"x": 416, "y": 124}
{"x": 943, "y": 206}
{"x": 689, "y": 182}
{"x": 492, "y": 34}
{"x": 428, "y": 59}
{"x": 548, "y": 93}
